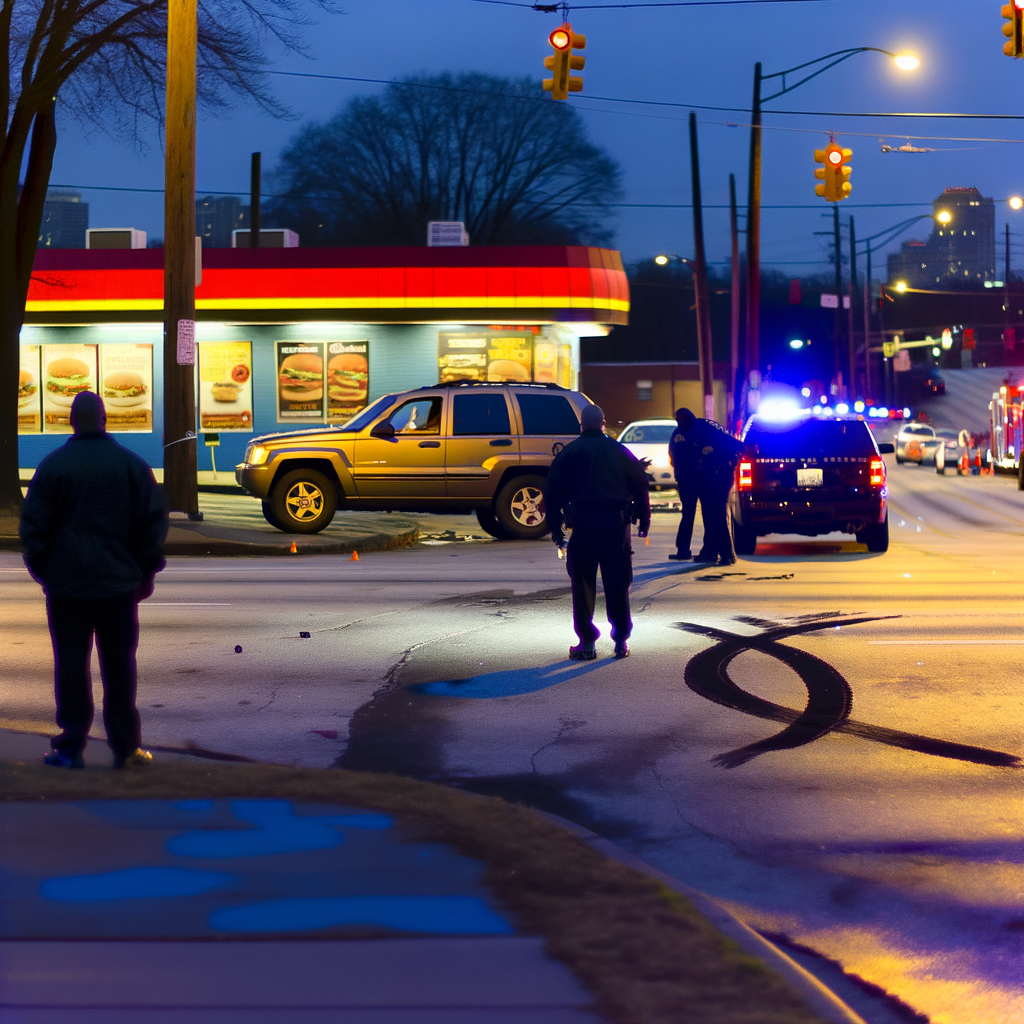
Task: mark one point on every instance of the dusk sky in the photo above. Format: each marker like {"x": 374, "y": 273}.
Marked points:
{"x": 696, "y": 55}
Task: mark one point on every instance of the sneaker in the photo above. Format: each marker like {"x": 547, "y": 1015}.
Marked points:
{"x": 680, "y": 556}
{"x": 583, "y": 652}
{"x": 63, "y": 759}
{"x": 134, "y": 759}
{"x": 621, "y": 649}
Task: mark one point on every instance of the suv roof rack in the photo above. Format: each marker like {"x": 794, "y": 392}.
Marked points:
{"x": 496, "y": 383}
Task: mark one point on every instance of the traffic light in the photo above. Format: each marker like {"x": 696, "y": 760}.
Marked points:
{"x": 563, "y": 62}
{"x": 1013, "y": 28}
{"x": 834, "y": 174}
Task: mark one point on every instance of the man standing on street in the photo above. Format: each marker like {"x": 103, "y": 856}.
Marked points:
{"x": 714, "y": 453}
{"x": 92, "y": 531}
{"x": 683, "y": 457}
{"x": 598, "y": 488}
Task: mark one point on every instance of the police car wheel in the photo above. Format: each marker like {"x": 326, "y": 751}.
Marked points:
{"x": 303, "y": 501}
{"x": 519, "y": 508}
{"x": 876, "y": 537}
{"x": 744, "y": 539}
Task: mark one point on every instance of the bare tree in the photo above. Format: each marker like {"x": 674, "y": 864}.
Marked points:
{"x": 498, "y": 154}
{"x": 98, "y": 61}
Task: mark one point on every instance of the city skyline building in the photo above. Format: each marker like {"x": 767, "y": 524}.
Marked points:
{"x": 217, "y": 217}
{"x": 65, "y": 220}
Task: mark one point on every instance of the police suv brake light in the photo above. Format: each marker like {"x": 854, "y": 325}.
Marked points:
{"x": 877, "y": 473}
{"x": 746, "y": 479}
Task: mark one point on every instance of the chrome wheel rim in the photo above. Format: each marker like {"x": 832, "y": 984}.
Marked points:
{"x": 304, "y": 501}
{"x": 528, "y": 506}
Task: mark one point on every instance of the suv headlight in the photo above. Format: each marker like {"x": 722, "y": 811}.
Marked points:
{"x": 257, "y": 455}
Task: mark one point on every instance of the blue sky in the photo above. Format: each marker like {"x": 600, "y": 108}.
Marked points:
{"x": 683, "y": 55}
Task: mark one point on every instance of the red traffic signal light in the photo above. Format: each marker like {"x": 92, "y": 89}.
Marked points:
{"x": 1013, "y": 28}
{"x": 563, "y": 41}
{"x": 834, "y": 173}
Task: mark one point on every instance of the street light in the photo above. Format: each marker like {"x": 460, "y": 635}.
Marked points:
{"x": 944, "y": 217}
{"x": 1016, "y": 202}
{"x": 904, "y": 61}
{"x": 901, "y": 286}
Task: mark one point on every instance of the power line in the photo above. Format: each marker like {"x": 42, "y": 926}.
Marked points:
{"x": 554, "y": 8}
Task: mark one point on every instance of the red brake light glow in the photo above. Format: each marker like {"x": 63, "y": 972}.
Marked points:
{"x": 877, "y": 472}
{"x": 745, "y": 476}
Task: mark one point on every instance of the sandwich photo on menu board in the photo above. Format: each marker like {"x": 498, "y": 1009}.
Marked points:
{"x": 300, "y": 381}
{"x": 29, "y": 396}
{"x": 68, "y": 370}
{"x": 126, "y": 387}
{"x": 348, "y": 379}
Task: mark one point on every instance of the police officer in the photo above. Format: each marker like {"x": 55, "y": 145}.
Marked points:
{"x": 714, "y": 453}
{"x": 598, "y": 488}
{"x": 683, "y": 457}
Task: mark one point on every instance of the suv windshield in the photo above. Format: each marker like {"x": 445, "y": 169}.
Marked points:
{"x": 813, "y": 438}
{"x": 648, "y": 433}
{"x": 368, "y": 415}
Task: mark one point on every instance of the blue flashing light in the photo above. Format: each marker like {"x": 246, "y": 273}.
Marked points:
{"x": 806, "y": 392}
{"x": 778, "y": 409}
{"x": 817, "y": 410}
{"x": 827, "y": 411}
{"x": 906, "y": 413}
{"x": 796, "y": 344}
{"x": 858, "y": 406}
{"x": 842, "y": 409}
{"x": 883, "y": 412}
{"x": 872, "y": 412}
{"x": 823, "y": 399}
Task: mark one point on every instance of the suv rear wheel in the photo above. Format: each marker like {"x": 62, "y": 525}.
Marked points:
{"x": 876, "y": 537}
{"x": 303, "y": 501}
{"x": 489, "y": 523}
{"x": 744, "y": 539}
{"x": 519, "y": 508}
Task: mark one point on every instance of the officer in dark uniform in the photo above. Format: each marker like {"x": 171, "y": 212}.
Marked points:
{"x": 715, "y": 453}
{"x": 598, "y": 488}
{"x": 683, "y": 457}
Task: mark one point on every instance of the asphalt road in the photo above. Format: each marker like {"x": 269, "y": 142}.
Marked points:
{"x": 824, "y": 738}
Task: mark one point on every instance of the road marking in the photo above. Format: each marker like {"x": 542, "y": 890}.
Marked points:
{"x": 943, "y": 643}
{"x": 187, "y": 604}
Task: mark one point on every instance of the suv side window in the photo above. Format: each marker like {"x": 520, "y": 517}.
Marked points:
{"x": 547, "y": 414}
{"x": 480, "y": 414}
{"x": 420, "y": 416}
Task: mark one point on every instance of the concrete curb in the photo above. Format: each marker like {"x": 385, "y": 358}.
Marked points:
{"x": 821, "y": 999}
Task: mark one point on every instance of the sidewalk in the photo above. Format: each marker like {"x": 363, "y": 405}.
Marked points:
{"x": 222, "y": 894}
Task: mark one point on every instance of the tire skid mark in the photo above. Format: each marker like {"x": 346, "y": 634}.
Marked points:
{"x": 829, "y": 697}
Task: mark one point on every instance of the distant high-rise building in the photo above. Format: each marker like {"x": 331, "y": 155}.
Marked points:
{"x": 961, "y": 250}
{"x": 217, "y": 217}
{"x": 65, "y": 220}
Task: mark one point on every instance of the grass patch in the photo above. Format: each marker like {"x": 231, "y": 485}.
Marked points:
{"x": 646, "y": 955}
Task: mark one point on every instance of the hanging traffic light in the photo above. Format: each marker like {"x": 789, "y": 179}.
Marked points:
{"x": 563, "y": 61}
{"x": 834, "y": 174}
{"x": 1013, "y": 28}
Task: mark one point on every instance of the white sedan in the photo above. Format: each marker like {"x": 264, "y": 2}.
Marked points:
{"x": 648, "y": 439}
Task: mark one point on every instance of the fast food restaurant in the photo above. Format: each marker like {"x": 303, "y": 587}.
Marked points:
{"x": 293, "y": 338}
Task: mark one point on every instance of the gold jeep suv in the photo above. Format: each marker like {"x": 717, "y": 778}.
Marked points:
{"x": 453, "y": 447}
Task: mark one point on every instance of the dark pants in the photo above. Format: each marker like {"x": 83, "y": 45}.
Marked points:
{"x": 600, "y": 539}
{"x": 115, "y": 623}
{"x": 688, "y": 498}
{"x": 714, "y": 509}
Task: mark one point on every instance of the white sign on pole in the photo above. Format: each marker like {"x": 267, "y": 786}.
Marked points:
{"x": 829, "y": 301}
{"x": 901, "y": 364}
{"x": 186, "y": 343}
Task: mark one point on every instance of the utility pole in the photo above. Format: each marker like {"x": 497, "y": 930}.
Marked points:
{"x": 700, "y": 282}
{"x": 869, "y": 392}
{"x": 753, "y": 360}
{"x": 180, "y": 483}
{"x": 254, "y": 201}
{"x": 735, "y": 388}
{"x": 1006, "y": 276}
{"x": 851, "y": 340}
{"x": 839, "y": 293}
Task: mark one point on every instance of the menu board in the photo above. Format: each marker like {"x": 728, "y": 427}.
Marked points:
{"x": 348, "y": 379}
{"x": 300, "y": 381}
{"x": 225, "y": 386}
{"x": 68, "y": 370}
{"x": 461, "y": 356}
{"x": 545, "y": 361}
{"x": 30, "y": 394}
{"x": 126, "y": 387}
{"x": 509, "y": 357}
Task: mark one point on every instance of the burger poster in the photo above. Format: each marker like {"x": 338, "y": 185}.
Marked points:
{"x": 510, "y": 357}
{"x": 68, "y": 370}
{"x": 126, "y": 387}
{"x": 300, "y": 381}
{"x": 348, "y": 379}
{"x": 30, "y": 394}
{"x": 225, "y": 386}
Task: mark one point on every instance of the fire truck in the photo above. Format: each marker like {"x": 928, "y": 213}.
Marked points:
{"x": 1006, "y": 412}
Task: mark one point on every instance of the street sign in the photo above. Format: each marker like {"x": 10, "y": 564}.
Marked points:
{"x": 901, "y": 364}
{"x": 186, "y": 343}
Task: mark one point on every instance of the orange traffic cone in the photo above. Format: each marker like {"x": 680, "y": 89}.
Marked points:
{"x": 355, "y": 556}
{"x": 293, "y": 549}
{"x": 647, "y": 542}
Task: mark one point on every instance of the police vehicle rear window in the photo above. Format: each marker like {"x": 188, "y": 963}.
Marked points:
{"x": 810, "y": 438}
{"x": 548, "y": 414}
{"x": 480, "y": 414}
{"x": 648, "y": 433}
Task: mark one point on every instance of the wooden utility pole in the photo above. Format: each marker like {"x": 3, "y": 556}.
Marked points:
{"x": 869, "y": 391}
{"x": 180, "y": 260}
{"x": 254, "y": 201}
{"x": 838, "y": 323}
{"x": 700, "y": 282}
{"x": 754, "y": 230}
{"x": 735, "y": 386}
{"x": 851, "y": 339}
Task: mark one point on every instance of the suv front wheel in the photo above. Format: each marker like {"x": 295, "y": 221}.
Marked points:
{"x": 519, "y": 508}
{"x": 303, "y": 501}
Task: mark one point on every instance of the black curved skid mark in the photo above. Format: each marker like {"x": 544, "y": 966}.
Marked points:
{"x": 829, "y": 697}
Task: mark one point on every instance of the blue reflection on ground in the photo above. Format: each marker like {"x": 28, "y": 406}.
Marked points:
{"x": 441, "y": 915}
{"x": 512, "y": 683}
{"x": 133, "y": 883}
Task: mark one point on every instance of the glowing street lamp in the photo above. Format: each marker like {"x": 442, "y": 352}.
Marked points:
{"x": 901, "y": 286}
{"x": 1016, "y": 202}
{"x": 907, "y": 61}
{"x": 944, "y": 217}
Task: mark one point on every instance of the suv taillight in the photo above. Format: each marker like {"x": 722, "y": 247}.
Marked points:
{"x": 877, "y": 473}
{"x": 744, "y": 477}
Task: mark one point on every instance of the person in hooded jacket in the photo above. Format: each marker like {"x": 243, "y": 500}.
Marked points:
{"x": 598, "y": 488}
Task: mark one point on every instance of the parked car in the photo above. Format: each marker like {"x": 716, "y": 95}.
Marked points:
{"x": 648, "y": 439}
{"x": 934, "y": 384}
{"x": 454, "y": 447}
{"x": 810, "y": 476}
{"x": 947, "y": 451}
{"x": 916, "y": 442}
